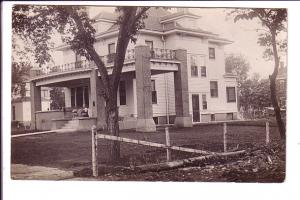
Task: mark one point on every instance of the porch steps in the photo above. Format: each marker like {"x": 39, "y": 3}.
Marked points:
{"x": 71, "y": 125}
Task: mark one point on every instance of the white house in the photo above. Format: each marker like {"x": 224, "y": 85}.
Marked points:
{"x": 21, "y": 106}
{"x": 175, "y": 73}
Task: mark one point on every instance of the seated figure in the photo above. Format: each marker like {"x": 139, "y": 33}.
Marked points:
{"x": 85, "y": 112}
{"x": 74, "y": 113}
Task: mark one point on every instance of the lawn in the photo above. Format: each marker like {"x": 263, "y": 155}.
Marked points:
{"x": 72, "y": 151}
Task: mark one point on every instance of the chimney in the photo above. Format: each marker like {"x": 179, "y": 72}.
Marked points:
{"x": 184, "y": 10}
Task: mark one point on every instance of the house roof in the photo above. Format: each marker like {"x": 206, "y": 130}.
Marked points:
{"x": 153, "y": 23}
{"x": 179, "y": 14}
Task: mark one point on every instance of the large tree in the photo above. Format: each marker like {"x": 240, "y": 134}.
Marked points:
{"x": 274, "y": 20}
{"x": 38, "y": 22}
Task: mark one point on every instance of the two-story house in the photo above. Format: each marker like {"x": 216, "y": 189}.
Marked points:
{"x": 175, "y": 73}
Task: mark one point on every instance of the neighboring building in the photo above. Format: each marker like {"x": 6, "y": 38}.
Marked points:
{"x": 188, "y": 82}
{"x": 21, "y": 106}
{"x": 281, "y": 85}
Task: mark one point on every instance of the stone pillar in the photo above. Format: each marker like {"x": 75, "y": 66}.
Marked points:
{"x": 97, "y": 102}
{"x": 36, "y": 103}
{"x": 183, "y": 118}
{"x": 145, "y": 122}
{"x": 67, "y": 92}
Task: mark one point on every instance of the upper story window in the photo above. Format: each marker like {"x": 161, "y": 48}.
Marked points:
{"x": 154, "y": 93}
{"x": 203, "y": 71}
{"x": 149, "y": 43}
{"x": 231, "y": 97}
{"x": 211, "y": 53}
{"x": 122, "y": 92}
{"x": 194, "y": 67}
{"x": 111, "y": 48}
{"x": 214, "y": 88}
{"x": 111, "y": 52}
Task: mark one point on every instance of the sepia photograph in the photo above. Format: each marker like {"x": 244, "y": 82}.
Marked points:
{"x": 148, "y": 93}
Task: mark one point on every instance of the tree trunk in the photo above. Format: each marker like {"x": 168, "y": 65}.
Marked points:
{"x": 281, "y": 125}
{"x": 112, "y": 121}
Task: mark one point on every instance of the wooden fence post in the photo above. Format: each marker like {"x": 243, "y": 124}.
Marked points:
{"x": 225, "y": 136}
{"x": 94, "y": 151}
{"x": 168, "y": 143}
{"x": 267, "y": 132}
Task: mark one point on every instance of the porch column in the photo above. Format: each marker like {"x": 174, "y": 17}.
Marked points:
{"x": 183, "y": 118}
{"x": 36, "y": 103}
{"x": 145, "y": 122}
{"x": 97, "y": 102}
{"x": 67, "y": 92}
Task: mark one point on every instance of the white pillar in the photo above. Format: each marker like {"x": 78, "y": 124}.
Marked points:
{"x": 67, "y": 92}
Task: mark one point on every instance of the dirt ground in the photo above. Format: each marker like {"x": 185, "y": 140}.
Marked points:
{"x": 72, "y": 151}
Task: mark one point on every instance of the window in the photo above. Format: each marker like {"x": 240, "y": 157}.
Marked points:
{"x": 194, "y": 71}
{"x": 79, "y": 95}
{"x": 194, "y": 67}
{"x": 155, "y": 119}
{"x": 111, "y": 52}
{"x": 154, "y": 93}
{"x": 229, "y": 116}
{"x": 111, "y": 48}
{"x": 212, "y": 53}
{"x": 212, "y": 117}
{"x": 204, "y": 102}
{"x": 122, "y": 93}
{"x": 73, "y": 94}
{"x": 231, "y": 97}
{"x": 213, "y": 88}
{"x": 86, "y": 96}
{"x": 149, "y": 44}
{"x": 203, "y": 71}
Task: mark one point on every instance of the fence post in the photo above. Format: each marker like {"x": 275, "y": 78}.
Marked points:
{"x": 225, "y": 136}
{"x": 168, "y": 144}
{"x": 267, "y": 132}
{"x": 94, "y": 152}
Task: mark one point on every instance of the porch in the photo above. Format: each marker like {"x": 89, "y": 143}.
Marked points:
{"x": 80, "y": 81}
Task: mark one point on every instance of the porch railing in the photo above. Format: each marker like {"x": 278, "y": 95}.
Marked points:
{"x": 156, "y": 53}
{"x": 163, "y": 54}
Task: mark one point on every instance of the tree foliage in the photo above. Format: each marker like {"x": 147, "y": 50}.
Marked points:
{"x": 38, "y": 22}
{"x": 238, "y": 65}
{"x": 20, "y": 67}
{"x": 274, "y": 19}
{"x": 255, "y": 94}
{"x": 57, "y": 98}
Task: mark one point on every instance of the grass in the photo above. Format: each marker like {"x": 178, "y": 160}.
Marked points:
{"x": 73, "y": 150}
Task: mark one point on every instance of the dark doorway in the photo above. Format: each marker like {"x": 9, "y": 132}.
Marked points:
{"x": 196, "y": 108}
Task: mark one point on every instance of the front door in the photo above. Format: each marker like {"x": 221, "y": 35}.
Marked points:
{"x": 196, "y": 108}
